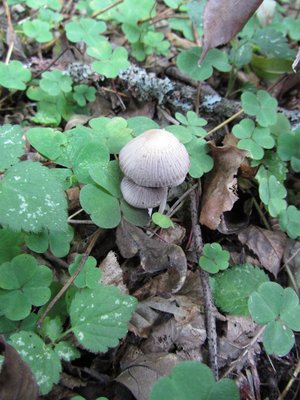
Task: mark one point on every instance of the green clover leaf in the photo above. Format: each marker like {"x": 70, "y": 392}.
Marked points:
{"x": 23, "y": 283}
{"x": 253, "y": 138}
{"x": 10, "y": 244}
{"x": 262, "y": 105}
{"x": 111, "y": 67}
{"x": 47, "y": 141}
{"x": 289, "y": 148}
{"x": 39, "y": 30}
{"x": 85, "y": 30}
{"x": 84, "y": 93}
{"x": 11, "y": 145}
{"x": 161, "y": 220}
{"x": 289, "y": 221}
{"x": 201, "y": 162}
{"x": 55, "y": 82}
{"x": 14, "y": 75}
{"x": 187, "y": 61}
{"x": 89, "y": 276}
{"x": 214, "y": 258}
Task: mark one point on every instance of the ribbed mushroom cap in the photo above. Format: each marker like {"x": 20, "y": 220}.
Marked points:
{"x": 155, "y": 158}
{"x": 140, "y": 196}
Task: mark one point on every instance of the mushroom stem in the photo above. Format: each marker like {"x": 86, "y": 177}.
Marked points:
{"x": 163, "y": 201}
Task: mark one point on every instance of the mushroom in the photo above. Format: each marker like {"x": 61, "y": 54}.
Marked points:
{"x": 154, "y": 159}
{"x": 141, "y": 196}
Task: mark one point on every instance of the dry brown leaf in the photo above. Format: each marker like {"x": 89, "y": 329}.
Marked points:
{"x": 155, "y": 256}
{"x": 223, "y": 19}
{"x": 112, "y": 273}
{"x": 16, "y": 379}
{"x": 267, "y": 245}
{"x": 220, "y": 185}
{"x": 140, "y": 375}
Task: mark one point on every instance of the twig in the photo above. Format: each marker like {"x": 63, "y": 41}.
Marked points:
{"x": 247, "y": 348}
{"x": 69, "y": 282}
{"x": 103, "y": 10}
{"x": 225, "y": 122}
{"x": 11, "y": 32}
{"x": 209, "y": 307}
{"x": 290, "y": 382}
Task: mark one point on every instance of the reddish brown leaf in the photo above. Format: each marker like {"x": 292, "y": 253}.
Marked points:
{"x": 223, "y": 19}
{"x": 16, "y": 379}
{"x": 268, "y": 246}
{"x": 219, "y": 189}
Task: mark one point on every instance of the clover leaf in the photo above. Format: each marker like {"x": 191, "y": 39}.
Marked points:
{"x": 11, "y": 145}
{"x": 31, "y": 199}
{"x": 103, "y": 207}
{"x": 111, "y": 67}
{"x": 55, "y": 82}
{"x": 155, "y": 43}
{"x": 58, "y": 242}
{"x": 108, "y": 176}
{"x": 23, "y": 283}
{"x": 14, "y": 75}
{"x": 201, "y": 162}
{"x": 279, "y": 308}
{"x": 43, "y": 361}
{"x": 231, "y": 288}
{"x": 214, "y": 258}
{"x": 85, "y": 30}
{"x": 289, "y": 221}
{"x": 253, "y": 138}
{"x": 39, "y": 30}
{"x": 272, "y": 192}
{"x": 187, "y": 61}
{"x": 262, "y": 105}
{"x": 288, "y": 148}
{"x": 163, "y": 221}
{"x": 272, "y": 43}
{"x": 89, "y": 276}
{"x": 84, "y": 93}
{"x": 47, "y": 141}
{"x": 185, "y": 380}
{"x": 99, "y": 317}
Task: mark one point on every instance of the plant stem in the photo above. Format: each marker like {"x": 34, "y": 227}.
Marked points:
{"x": 103, "y": 10}
{"x": 225, "y": 122}
{"x": 69, "y": 282}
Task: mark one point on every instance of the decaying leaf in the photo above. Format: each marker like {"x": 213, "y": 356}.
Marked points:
{"x": 16, "y": 378}
{"x": 155, "y": 256}
{"x": 112, "y": 273}
{"x": 296, "y": 63}
{"x": 223, "y": 19}
{"x": 220, "y": 185}
{"x": 267, "y": 245}
{"x": 140, "y": 375}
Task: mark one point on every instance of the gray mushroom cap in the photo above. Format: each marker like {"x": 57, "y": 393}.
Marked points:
{"x": 140, "y": 196}
{"x": 156, "y": 158}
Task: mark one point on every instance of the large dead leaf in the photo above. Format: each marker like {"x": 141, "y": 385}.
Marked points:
{"x": 16, "y": 379}
{"x": 220, "y": 185}
{"x": 223, "y": 19}
{"x": 155, "y": 256}
{"x": 140, "y": 375}
{"x": 267, "y": 245}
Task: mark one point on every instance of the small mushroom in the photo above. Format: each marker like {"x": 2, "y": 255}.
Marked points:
{"x": 140, "y": 196}
{"x": 155, "y": 158}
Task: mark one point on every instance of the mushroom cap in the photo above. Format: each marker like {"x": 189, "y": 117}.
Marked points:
{"x": 156, "y": 158}
{"x": 140, "y": 196}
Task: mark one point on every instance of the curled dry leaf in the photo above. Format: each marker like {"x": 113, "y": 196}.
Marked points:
{"x": 268, "y": 246}
{"x": 112, "y": 273}
{"x": 223, "y": 19}
{"x": 16, "y": 379}
{"x": 140, "y": 375}
{"x": 296, "y": 63}
{"x": 220, "y": 185}
{"x": 155, "y": 256}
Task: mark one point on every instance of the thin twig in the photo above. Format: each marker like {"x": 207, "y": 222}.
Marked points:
{"x": 225, "y": 122}
{"x": 209, "y": 306}
{"x": 247, "y": 348}
{"x": 290, "y": 382}
{"x": 11, "y": 32}
{"x": 103, "y": 10}
{"x": 69, "y": 282}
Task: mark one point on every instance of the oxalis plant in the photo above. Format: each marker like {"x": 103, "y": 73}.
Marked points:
{"x": 33, "y": 205}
